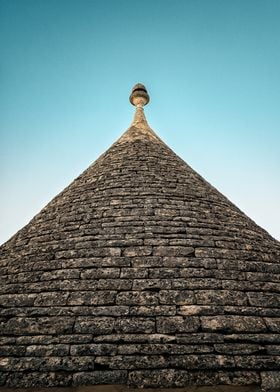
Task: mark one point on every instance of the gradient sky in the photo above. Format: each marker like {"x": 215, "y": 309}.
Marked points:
{"x": 211, "y": 68}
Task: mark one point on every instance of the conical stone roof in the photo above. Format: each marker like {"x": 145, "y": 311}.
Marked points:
{"x": 141, "y": 273}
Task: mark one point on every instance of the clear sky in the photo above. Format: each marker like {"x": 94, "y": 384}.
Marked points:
{"x": 212, "y": 68}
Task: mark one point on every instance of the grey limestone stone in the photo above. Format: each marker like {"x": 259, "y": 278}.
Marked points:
{"x": 12, "y": 350}
{"x": 177, "y": 324}
{"x": 202, "y": 310}
{"x": 270, "y": 300}
{"x": 51, "y": 299}
{"x": 94, "y": 325}
{"x": 137, "y": 251}
{"x": 176, "y": 297}
{"x": 238, "y": 348}
{"x": 221, "y": 297}
{"x": 100, "y": 377}
{"x": 135, "y": 325}
{"x": 17, "y": 300}
{"x": 47, "y": 350}
{"x": 145, "y": 298}
{"x": 97, "y": 273}
{"x": 273, "y": 324}
{"x": 233, "y": 324}
{"x": 134, "y": 273}
{"x": 151, "y": 284}
{"x": 173, "y": 251}
{"x": 270, "y": 380}
{"x": 157, "y": 310}
{"x": 41, "y": 325}
{"x": 38, "y": 379}
{"x": 92, "y": 298}
{"x": 93, "y": 349}
{"x": 256, "y": 362}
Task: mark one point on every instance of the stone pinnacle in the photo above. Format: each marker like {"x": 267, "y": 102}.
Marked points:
{"x": 139, "y": 95}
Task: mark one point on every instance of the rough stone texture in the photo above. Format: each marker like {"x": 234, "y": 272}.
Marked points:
{"x": 271, "y": 380}
{"x": 140, "y": 273}
{"x": 90, "y": 379}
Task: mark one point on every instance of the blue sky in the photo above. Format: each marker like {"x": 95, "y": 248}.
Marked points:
{"x": 66, "y": 71}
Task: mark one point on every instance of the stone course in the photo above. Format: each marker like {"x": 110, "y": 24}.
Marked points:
{"x": 140, "y": 273}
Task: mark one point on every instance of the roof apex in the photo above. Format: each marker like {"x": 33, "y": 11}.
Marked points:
{"x": 139, "y": 128}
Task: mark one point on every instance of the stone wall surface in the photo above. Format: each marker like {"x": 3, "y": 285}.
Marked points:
{"x": 140, "y": 273}
{"x": 123, "y": 388}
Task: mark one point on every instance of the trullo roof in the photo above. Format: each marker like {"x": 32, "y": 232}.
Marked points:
{"x": 141, "y": 273}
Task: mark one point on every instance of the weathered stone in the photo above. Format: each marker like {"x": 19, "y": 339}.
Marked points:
{"x": 92, "y": 298}
{"x": 137, "y": 298}
{"x": 207, "y": 361}
{"x": 221, "y": 297}
{"x": 152, "y": 378}
{"x": 256, "y": 338}
{"x": 3, "y": 378}
{"x": 136, "y": 338}
{"x": 237, "y": 378}
{"x": 194, "y": 262}
{"x": 93, "y": 349}
{"x": 137, "y": 251}
{"x": 48, "y": 339}
{"x": 7, "y": 340}
{"x": 160, "y": 310}
{"x": 238, "y": 348}
{"x": 167, "y": 378}
{"x": 134, "y": 273}
{"x": 135, "y": 325}
{"x": 16, "y": 351}
{"x": 132, "y": 361}
{"x": 270, "y": 300}
{"x": 177, "y": 324}
{"x": 252, "y": 311}
{"x": 96, "y": 262}
{"x": 73, "y": 338}
{"x": 151, "y": 284}
{"x": 263, "y": 276}
{"x": 94, "y": 325}
{"x": 273, "y": 324}
{"x": 273, "y": 350}
{"x": 114, "y": 284}
{"x": 176, "y": 297}
{"x": 100, "y": 377}
{"x": 232, "y": 324}
{"x": 193, "y": 310}
{"x": 41, "y": 325}
{"x": 51, "y": 299}
{"x": 173, "y": 251}
{"x": 163, "y": 273}
{"x": 196, "y": 284}
{"x": 106, "y": 310}
{"x": 197, "y": 272}
{"x": 257, "y": 362}
{"x": 47, "y": 350}
{"x": 38, "y": 379}
{"x": 97, "y": 273}
{"x": 14, "y": 300}
{"x": 58, "y": 274}
{"x": 156, "y": 241}
{"x": 270, "y": 380}
{"x": 151, "y": 349}
{"x": 92, "y": 252}
{"x": 146, "y": 262}
{"x": 200, "y": 338}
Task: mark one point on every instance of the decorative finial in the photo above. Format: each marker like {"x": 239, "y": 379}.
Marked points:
{"x": 139, "y": 95}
